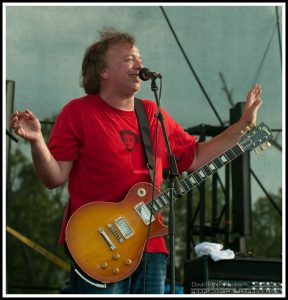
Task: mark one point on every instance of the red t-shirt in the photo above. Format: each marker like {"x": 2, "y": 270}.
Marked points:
{"x": 105, "y": 145}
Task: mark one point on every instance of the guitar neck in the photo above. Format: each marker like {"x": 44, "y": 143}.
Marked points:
{"x": 195, "y": 178}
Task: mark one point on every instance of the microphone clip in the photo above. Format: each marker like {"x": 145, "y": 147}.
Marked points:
{"x": 145, "y": 74}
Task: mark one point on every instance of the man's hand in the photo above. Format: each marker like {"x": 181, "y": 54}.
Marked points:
{"x": 253, "y": 103}
{"x": 26, "y": 125}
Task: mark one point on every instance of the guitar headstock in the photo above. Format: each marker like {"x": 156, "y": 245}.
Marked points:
{"x": 257, "y": 138}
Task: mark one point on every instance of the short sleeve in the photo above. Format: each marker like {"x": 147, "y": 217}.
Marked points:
{"x": 64, "y": 141}
{"x": 182, "y": 144}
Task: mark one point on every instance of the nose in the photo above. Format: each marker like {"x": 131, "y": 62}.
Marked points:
{"x": 138, "y": 64}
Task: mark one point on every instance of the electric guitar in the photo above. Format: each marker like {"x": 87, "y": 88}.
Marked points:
{"x": 106, "y": 240}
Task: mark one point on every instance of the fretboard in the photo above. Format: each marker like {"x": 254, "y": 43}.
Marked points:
{"x": 194, "y": 179}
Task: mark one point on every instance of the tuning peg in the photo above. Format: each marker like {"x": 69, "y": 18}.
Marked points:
{"x": 248, "y": 128}
{"x": 257, "y": 150}
{"x": 262, "y": 147}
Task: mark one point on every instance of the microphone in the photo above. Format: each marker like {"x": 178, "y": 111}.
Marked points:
{"x": 146, "y": 74}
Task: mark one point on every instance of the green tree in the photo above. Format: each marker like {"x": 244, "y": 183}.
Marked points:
{"x": 266, "y": 238}
{"x": 37, "y": 213}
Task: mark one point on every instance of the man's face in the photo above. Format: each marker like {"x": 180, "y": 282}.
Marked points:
{"x": 123, "y": 62}
{"x": 129, "y": 139}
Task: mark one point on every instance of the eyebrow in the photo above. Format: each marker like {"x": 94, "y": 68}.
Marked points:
{"x": 136, "y": 56}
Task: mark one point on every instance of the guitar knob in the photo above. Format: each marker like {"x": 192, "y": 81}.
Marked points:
{"x": 128, "y": 262}
{"x": 141, "y": 192}
{"x": 116, "y": 256}
{"x": 116, "y": 270}
{"x": 104, "y": 265}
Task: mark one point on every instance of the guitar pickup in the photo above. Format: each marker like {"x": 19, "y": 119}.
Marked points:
{"x": 124, "y": 227}
{"x": 144, "y": 213}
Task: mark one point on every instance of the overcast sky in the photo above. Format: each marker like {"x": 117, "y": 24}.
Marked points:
{"x": 45, "y": 46}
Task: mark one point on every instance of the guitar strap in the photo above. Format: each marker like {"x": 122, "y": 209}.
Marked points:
{"x": 145, "y": 135}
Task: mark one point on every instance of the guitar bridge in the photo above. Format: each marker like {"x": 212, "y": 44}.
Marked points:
{"x": 106, "y": 238}
{"x": 115, "y": 232}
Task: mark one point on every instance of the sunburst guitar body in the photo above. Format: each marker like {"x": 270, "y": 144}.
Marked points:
{"x": 107, "y": 240}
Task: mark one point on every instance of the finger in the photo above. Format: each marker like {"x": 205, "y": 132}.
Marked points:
{"x": 13, "y": 118}
{"x": 258, "y": 90}
{"x": 30, "y": 114}
{"x": 14, "y": 114}
{"x": 14, "y": 124}
{"x": 252, "y": 92}
{"x": 21, "y": 114}
{"x": 256, "y": 105}
{"x": 18, "y": 130}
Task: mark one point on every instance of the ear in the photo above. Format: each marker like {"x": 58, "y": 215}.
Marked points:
{"x": 104, "y": 74}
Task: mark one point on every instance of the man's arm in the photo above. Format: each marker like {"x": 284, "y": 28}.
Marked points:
{"x": 52, "y": 172}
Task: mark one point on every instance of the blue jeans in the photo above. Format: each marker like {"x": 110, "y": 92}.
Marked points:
{"x": 134, "y": 284}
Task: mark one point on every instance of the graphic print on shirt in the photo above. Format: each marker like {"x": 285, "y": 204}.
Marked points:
{"x": 129, "y": 138}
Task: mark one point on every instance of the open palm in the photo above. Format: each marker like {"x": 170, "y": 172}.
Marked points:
{"x": 252, "y": 105}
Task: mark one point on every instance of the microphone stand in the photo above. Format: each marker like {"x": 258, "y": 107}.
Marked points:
{"x": 173, "y": 184}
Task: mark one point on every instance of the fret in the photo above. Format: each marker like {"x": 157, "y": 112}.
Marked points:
{"x": 218, "y": 162}
{"x": 151, "y": 208}
{"x": 223, "y": 159}
{"x": 212, "y": 167}
{"x": 163, "y": 200}
{"x": 166, "y": 196}
{"x": 188, "y": 183}
{"x": 207, "y": 170}
{"x": 202, "y": 173}
{"x": 192, "y": 180}
{"x": 237, "y": 150}
{"x": 197, "y": 177}
{"x": 154, "y": 206}
{"x": 174, "y": 194}
{"x": 184, "y": 186}
{"x": 159, "y": 203}
{"x": 230, "y": 154}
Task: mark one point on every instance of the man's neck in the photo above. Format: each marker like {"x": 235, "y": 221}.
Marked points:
{"x": 123, "y": 103}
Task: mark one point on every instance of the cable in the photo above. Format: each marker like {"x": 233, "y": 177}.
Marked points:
{"x": 279, "y": 34}
{"x": 191, "y": 68}
{"x": 264, "y": 56}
